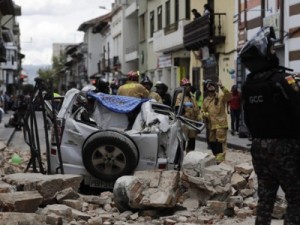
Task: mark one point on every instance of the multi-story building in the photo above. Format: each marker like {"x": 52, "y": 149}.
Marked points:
{"x": 65, "y": 80}
{"x": 167, "y": 59}
{"x": 10, "y": 55}
{"x": 163, "y": 40}
{"x": 58, "y": 49}
{"x": 124, "y": 32}
{"x": 211, "y": 40}
{"x": 283, "y": 16}
{"x": 291, "y": 33}
{"x": 93, "y": 41}
{"x": 108, "y": 66}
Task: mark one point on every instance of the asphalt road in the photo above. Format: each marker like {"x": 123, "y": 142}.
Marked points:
{"x": 17, "y": 141}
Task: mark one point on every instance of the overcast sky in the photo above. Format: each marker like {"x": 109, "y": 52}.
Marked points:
{"x": 44, "y": 22}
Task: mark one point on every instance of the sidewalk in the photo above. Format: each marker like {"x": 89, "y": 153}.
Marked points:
{"x": 6, "y": 132}
{"x": 233, "y": 141}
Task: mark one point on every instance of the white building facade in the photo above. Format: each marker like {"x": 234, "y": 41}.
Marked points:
{"x": 167, "y": 59}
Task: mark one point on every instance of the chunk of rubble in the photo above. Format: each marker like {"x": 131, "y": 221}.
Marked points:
{"x": 7, "y": 218}
{"x": 206, "y": 180}
{"x": 21, "y": 201}
{"x": 46, "y": 185}
{"x": 147, "y": 189}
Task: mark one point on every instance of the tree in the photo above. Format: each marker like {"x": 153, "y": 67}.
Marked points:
{"x": 45, "y": 73}
{"x": 58, "y": 63}
{"x": 52, "y": 73}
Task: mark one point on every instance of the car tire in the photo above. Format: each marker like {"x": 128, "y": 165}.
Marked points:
{"x": 108, "y": 155}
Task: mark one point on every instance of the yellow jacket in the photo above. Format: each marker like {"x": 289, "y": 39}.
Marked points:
{"x": 191, "y": 109}
{"x": 214, "y": 110}
{"x": 156, "y": 96}
{"x": 133, "y": 89}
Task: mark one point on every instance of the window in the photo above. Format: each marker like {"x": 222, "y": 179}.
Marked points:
{"x": 187, "y": 9}
{"x": 151, "y": 23}
{"x": 168, "y": 14}
{"x": 176, "y": 10}
{"x": 159, "y": 18}
{"x": 142, "y": 28}
{"x": 242, "y": 15}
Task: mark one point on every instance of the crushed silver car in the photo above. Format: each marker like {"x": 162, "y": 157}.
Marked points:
{"x": 102, "y": 148}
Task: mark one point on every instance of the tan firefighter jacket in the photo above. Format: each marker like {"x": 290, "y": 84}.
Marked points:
{"x": 214, "y": 110}
{"x": 133, "y": 89}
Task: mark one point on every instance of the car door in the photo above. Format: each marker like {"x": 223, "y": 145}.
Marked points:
{"x": 180, "y": 121}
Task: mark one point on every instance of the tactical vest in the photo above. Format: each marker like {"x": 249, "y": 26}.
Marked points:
{"x": 268, "y": 111}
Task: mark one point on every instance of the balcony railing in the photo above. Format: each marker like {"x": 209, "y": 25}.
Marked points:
{"x": 203, "y": 32}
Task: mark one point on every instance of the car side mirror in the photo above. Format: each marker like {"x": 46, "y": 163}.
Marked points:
{"x": 196, "y": 125}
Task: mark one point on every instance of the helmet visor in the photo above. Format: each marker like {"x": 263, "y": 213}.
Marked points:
{"x": 259, "y": 43}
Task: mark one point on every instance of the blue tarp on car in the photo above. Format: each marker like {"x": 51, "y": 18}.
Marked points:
{"x": 117, "y": 103}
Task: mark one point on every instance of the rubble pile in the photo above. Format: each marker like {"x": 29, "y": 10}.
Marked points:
{"x": 201, "y": 193}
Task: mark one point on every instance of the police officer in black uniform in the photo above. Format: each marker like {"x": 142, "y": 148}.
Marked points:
{"x": 271, "y": 99}
{"x": 103, "y": 86}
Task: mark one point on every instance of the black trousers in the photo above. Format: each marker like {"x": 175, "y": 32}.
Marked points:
{"x": 277, "y": 163}
{"x": 235, "y": 119}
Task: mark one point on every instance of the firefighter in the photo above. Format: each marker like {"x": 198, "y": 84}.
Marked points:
{"x": 162, "y": 90}
{"x": 190, "y": 111}
{"x": 147, "y": 83}
{"x": 132, "y": 87}
{"x": 214, "y": 113}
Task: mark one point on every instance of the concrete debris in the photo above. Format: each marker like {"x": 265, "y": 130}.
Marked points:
{"x": 201, "y": 193}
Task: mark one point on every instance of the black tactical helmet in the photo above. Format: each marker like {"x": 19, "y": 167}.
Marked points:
{"x": 162, "y": 87}
{"x": 257, "y": 54}
{"x": 103, "y": 85}
{"x": 146, "y": 80}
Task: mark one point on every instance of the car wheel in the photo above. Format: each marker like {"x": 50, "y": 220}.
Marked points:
{"x": 109, "y": 155}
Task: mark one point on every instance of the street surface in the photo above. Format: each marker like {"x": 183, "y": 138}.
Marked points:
{"x": 18, "y": 143}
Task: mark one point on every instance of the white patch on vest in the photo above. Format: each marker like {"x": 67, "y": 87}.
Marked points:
{"x": 256, "y": 99}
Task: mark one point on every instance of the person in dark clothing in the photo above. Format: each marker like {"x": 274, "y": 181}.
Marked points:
{"x": 271, "y": 103}
{"x": 162, "y": 90}
{"x": 17, "y": 119}
{"x": 103, "y": 86}
{"x": 209, "y": 12}
{"x": 196, "y": 14}
{"x": 234, "y": 108}
{"x": 114, "y": 87}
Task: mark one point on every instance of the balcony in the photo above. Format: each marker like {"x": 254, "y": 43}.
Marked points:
{"x": 200, "y": 32}
{"x": 131, "y": 53}
{"x": 8, "y": 59}
{"x": 170, "y": 38}
{"x": 132, "y": 10}
{"x": 7, "y": 7}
